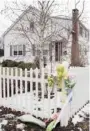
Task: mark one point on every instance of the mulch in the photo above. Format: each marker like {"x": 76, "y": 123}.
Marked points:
{"x": 11, "y": 126}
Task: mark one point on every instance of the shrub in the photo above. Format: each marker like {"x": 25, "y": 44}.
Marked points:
{"x": 21, "y": 64}
{"x": 9, "y": 63}
{"x": 34, "y": 66}
{"x": 28, "y": 65}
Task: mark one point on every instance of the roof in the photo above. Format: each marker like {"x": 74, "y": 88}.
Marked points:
{"x": 16, "y": 21}
{"x": 31, "y": 7}
{"x": 61, "y": 17}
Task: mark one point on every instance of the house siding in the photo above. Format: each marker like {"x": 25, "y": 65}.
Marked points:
{"x": 60, "y": 25}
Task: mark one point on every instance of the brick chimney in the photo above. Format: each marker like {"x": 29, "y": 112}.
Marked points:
{"x": 75, "y": 33}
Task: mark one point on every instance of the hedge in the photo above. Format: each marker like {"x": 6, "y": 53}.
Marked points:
{"x": 21, "y": 64}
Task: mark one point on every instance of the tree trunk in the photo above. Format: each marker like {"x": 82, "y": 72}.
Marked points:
{"x": 75, "y": 60}
{"x": 41, "y": 57}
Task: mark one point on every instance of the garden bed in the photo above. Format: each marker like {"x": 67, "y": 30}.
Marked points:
{"x": 16, "y": 125}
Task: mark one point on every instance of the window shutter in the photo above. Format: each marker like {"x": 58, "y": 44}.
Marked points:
{"x": 50, "y": 51}
{"x": 24, "y": 50}
{"x": 10, "y": 50}
{"x": 33, "y": 50}
{"x": 32, "y": 26}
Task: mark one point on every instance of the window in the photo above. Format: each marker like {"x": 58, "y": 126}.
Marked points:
{"x": 38, "y": 52}
{"x": 81, "y": 31}
{"x": 16, "y": 50}
{"x": 50, "y": 51}
{"x": 32, "y": 26}
{"x": 84, "y": 32}
{"x": 33, "y": 49}
{"x": 20, "y": 50}
{"x": 45, "y": 60}
{"x": 45, "y": 52}
{"x": 58, "y": 51}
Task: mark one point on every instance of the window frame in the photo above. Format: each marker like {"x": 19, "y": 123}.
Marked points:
{"x": 16, "y": 50}
{"x": 32, "y": 26}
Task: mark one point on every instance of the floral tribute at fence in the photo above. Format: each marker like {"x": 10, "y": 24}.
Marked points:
{"x": 62, "y": 79}
{"x": 65, "y": 82}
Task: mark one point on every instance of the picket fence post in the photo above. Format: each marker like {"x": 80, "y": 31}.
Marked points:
{"x": 31, "y": 90}
{"x": 42, "y": 89}
{"x": 0, "y": 88}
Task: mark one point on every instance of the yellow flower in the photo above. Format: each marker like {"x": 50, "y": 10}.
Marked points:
{"x": 60, "y": 68}
{"x": 65, "y": 75}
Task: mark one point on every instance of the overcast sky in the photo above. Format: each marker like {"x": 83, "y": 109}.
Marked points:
{"x": 64, "y": 7}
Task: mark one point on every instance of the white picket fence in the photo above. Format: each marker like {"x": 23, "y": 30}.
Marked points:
{"x": 28, "y": 91}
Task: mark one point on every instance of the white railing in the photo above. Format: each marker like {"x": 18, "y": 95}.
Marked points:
{"x": 28, "y": 91}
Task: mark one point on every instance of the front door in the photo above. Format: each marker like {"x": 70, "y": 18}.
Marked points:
{"x": 58, "y": 51}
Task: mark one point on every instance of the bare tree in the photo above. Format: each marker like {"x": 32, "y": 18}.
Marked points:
{"x": 35, "y": 25}
{"x": 39, "y": 29}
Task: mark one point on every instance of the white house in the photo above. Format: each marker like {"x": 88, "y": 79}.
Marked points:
{"x": 21, "y": 42}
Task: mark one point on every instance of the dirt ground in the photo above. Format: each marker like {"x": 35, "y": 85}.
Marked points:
{"x": 12, "y": 122}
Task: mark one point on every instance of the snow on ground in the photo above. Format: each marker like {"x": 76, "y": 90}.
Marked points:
{"x": 81, "y": 90}
{"x": 79, "y": 117}
{"x": 28, "y": 102}
{"x": 31, "y": 119}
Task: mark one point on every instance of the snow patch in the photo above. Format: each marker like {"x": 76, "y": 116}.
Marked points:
{"x": 4, "y": 122}
{"x": 9, "y": 116}
{"x": 20, "y": 126}
{"x": 31, "y": 119}
{"x": 77, "y": 119}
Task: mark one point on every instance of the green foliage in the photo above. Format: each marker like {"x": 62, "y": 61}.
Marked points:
{"x": 51, "y": 126}
{"x": 60, "y": 68}
{"x": 69, "y": 84}
{"x": 21, "y": 64}
{"x": 61, "y": 74}
{"x": 50, "y": 81}
{"x": 25, "y": 65}
{"x": 9, "y": 63}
